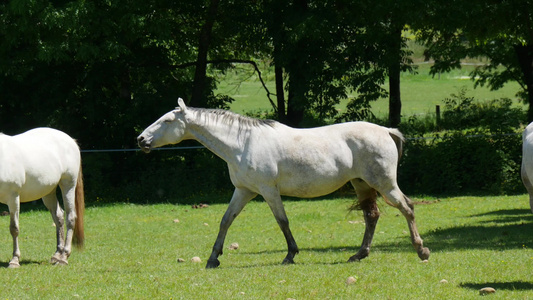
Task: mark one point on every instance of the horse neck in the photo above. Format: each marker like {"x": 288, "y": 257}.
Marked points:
{"x": 224, "y": 138}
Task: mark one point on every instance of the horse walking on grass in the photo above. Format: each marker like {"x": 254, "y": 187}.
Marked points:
{"x": 270, "y": 159}
{"x": 32, "y": 165}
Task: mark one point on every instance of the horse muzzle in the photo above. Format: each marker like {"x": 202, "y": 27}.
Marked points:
{"x": 144, "y": 144}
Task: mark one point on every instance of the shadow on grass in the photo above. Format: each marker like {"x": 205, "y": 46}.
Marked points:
{"x": 22, "y": 263}
{"x": 512, "y": 285}
{"x": 506, "y": 229}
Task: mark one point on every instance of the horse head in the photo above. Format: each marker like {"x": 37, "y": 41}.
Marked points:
{"x": 169, "y": 129}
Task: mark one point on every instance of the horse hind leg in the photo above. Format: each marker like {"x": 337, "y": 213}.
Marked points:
{"x": 14, "y": 209}
{"x": 367, "y": 203}
{"x": 528, "y": 185}
{"x": 51, "y": 202}
{"x": 406, "y": 207}
{"x": 68, "y": 193}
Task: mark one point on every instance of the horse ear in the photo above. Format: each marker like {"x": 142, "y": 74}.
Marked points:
{"x": 181, "y": 104}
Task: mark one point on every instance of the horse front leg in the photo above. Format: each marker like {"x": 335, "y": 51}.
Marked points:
{"x": 274, "y": 202}
{"x": 239, "y": 199}
{"x": 14, "y": 209}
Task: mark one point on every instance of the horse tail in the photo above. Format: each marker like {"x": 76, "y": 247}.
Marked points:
{"x": 398, "y": 139}
{"x": 79, "y": 233}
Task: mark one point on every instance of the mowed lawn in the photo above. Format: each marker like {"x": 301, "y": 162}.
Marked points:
{"x": 132, "y": 252}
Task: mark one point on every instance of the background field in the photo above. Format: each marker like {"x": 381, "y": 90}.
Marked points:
{"x": 420, "y": 92}
{"x": 132, "y": 251}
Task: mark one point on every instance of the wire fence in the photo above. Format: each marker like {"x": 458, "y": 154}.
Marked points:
{"x": 203, "y": 147}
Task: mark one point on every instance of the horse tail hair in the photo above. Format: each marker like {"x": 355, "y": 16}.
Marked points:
{"x": 398, "y": 139}
{"x": 79, "y": 233}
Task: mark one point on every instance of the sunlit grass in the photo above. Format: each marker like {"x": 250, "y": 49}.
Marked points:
{"x": 132, "y": 252}
{"x": 420, "y": 92}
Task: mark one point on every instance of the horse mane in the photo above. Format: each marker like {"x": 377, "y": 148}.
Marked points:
{"x": 228, "y": 117}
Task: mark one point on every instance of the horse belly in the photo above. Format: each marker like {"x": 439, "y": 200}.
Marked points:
{"x": 32, "y": 192}
{"x": 39, "y": 184}
{"x": 310, "y": 189}
{"x": 311, "y": 182}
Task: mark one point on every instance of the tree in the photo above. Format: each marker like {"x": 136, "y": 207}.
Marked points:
{"x": 501, "y": 31}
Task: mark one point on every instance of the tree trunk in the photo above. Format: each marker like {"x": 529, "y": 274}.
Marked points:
{"x": 395, "y": 102}
{"x": 295, "y": 107}
{"x": 296, "y": 102}
{"x": 525, "y": 59}
{"x": 199, "y": 97}
{"x": 282, "y": 117}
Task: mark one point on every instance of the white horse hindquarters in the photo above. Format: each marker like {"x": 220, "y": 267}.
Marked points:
{"x": 36, "y": 162}
{"x": 527, "y": 162}
{"x": 50, "y": 157}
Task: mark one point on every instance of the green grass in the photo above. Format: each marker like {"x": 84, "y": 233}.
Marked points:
{"x": 132, "y": 250}
{"x": 420, "y": 92}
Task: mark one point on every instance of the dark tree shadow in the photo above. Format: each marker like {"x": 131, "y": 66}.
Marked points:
{"x": 512, "y": 285}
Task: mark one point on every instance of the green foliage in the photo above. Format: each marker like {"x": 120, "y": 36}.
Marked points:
{"x": 497, "y": 116}
{"x": 499, "y": 31}
{"x": 479, "y": 150}
{"x": 467, "y": 162}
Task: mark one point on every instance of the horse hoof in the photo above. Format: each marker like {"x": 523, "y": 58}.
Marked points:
{"x": 212, "y": 263}
{"x": 354, "y": 259}
{"x": 13, "y": 265}
{"x": 358, "y": 256}
{"x": 287, "y": 261}
{"x": 60, "y": 262}
{"x": 424, "y": 253}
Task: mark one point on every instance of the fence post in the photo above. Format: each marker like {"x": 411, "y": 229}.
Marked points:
{"x": 437, "y": 112}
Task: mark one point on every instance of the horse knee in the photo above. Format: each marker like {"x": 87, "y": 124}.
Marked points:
{"x": 14, "y": 230}
{"x": 70, "y": 220}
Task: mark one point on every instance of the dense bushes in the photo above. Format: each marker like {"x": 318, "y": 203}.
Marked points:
{"x": 470, "y": 162}
{"x": 477, "y": 149}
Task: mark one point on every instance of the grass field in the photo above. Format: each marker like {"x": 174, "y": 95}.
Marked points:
{"x": 420, "y": 92}
{"x": 132, "y": 250}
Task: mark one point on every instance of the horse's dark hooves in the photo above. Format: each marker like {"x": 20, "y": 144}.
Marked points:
{"x": 355, "y": 258}
{"x": 424, "y": 253}
{"x": 212, "y": 263}
{"x": 358, "y": 256}
{"x": 287, "y": 261}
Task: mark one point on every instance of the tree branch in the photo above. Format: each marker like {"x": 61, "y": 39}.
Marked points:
{"x": 235, "y": 61}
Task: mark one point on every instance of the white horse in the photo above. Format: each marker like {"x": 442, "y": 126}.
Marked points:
{"x": 527, "y": 162}
{"x": 268, "y": 158}
{"x": 32, "y": 165}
